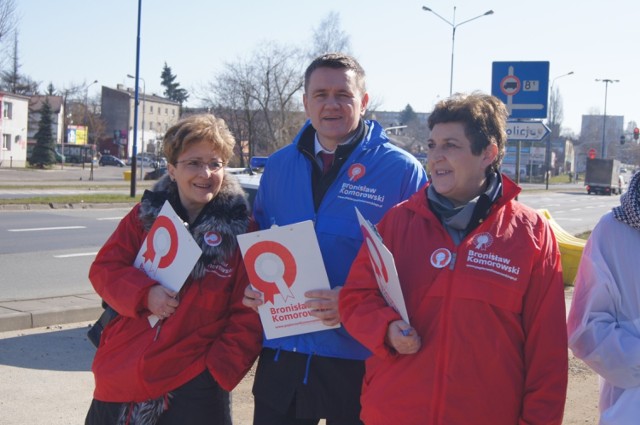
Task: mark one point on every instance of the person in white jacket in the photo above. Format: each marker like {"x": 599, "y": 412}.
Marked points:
{"x": 604, "y": 320}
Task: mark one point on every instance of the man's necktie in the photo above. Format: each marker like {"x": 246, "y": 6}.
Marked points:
{"x": 327, "y": 161}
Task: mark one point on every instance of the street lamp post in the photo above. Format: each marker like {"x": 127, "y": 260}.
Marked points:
{"x": 453, "y": 35}
{"x": 86, "y": 114}
{"x": 144, "y": 107}
{"x": 135, "y": 112}
{"x": 552, "y": 112}
{"x": 606, "y": 82}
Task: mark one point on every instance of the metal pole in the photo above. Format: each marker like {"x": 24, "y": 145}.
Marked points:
{"x": 144, "y": 107}
{"x": 606, "y": 82}
{"x": 134, "y": 148}
{"x": 453, "y": 35}
{"x": 453, "y": 44}
{"x": 604, "y": 121}
{"x": 86, "y": 115}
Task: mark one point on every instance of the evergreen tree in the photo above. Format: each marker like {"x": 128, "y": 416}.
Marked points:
{"x": 44, "y": 150}
{"x": 172, "y": 89}
{"x": 407, "y": 115}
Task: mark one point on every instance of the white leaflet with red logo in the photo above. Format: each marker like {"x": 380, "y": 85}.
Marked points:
{"x": 384, "y": 268}
{"x": 283, "y": 263}
{"x": 168, "y": 253}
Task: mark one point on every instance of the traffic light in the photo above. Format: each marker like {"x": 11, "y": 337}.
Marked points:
{"x": 622, "y": 139}
{"x": 636, "y": 133}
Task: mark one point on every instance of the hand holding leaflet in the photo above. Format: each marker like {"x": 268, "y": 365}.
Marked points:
{"x": 384, "y": 268}
{"x": 283, "y": 263}
{"x": 168, "y": 253}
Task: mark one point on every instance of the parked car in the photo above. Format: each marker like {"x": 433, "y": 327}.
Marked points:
{"x": 144, "y": 161}
{"x": 155, "y": 174}
{"x": 111, "y": 160}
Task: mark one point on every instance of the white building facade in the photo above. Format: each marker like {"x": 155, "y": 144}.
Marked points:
{"x": 14, "y": 119}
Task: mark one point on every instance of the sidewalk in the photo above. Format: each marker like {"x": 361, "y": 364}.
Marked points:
{"x": 42, "y": 312}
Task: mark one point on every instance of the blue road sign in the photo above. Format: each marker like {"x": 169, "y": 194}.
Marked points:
{"x": 523, "y": 87}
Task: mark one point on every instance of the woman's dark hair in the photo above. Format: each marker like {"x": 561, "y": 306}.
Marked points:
{"x": 337, "y": 61}
{"x": 484, "y": 118}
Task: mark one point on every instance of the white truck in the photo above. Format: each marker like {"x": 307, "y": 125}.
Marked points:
{"x": 603, "y": 176}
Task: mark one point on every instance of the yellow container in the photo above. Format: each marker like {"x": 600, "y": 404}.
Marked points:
{"x": 570, "y": 255}
{"x": 127, "y": 175}
{"x": 570, "y": 249}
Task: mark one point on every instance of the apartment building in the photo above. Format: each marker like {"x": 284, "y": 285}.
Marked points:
{"x": 155, "y": 115}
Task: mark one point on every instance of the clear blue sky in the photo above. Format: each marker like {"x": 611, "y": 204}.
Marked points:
{"x": 405, "y": 50}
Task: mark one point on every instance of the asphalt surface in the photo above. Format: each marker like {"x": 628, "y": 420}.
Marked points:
{"x": 22, "y": 183}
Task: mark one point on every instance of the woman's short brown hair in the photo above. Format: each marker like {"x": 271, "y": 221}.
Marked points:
{"x": 484, "y": 118}
{"x": 195, "y": 129}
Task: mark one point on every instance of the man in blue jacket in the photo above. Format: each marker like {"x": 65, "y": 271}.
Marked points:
{"x": 337, "y": 161}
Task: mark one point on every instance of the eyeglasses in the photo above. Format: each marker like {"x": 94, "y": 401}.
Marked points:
{"x": 196, "y": 165}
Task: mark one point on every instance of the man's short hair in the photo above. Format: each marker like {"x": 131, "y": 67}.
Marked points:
{"x": 337, "y": 61}
{"x": 484, "y": 118}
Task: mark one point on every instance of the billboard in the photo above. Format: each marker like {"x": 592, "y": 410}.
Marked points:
{"x": 77, "y": 134}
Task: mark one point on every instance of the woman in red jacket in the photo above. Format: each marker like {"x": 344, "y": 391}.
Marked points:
{"x": 481, "y": 279}
{"x": 180, "y": 370}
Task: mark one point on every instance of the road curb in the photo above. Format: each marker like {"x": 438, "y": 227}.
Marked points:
{"x": 72, "y": 206}
{"x": 36, "y": 313}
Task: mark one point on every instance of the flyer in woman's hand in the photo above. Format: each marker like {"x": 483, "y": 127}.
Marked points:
{"x": 168, "y": 253}
{"x": 384, "y": 267}
{"x": 283, "y": 263}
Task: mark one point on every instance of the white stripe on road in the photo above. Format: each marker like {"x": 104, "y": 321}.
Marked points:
{"x": 109, "y": 218}
{"x": 38, "y": 229}
{"x": 81, "y": 254}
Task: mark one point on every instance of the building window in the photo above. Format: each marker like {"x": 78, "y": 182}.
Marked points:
{"x": 6, "y": 142}
{"x": 166, "y": 111}
{"x": 173, "y": 112}
{"x": 150, "y": 125}
{"x": 151, "y": 109}
{"x": 8, "y": 110}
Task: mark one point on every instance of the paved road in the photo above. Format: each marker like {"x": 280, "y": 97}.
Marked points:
{"x": 34, "y": 313}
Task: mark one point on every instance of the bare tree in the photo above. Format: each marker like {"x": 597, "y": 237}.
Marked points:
{"x": 261, "y": 96}
{"x": 231, "y": 98}
{"x": 8, "y": 22}
{"x": 631, "y": 125}
{"x": 8, "y": 17}
{"x": 330, "y": 37}
{"x": 72, "y": 101}
{"x": 12, "y": 80}
{"x": 556, "y": 113}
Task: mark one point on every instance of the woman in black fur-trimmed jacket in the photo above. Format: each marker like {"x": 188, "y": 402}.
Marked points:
{"x": 180, "y": 370}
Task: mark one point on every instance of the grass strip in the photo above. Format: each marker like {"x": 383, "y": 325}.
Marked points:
{"x": 98, "y": 198}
